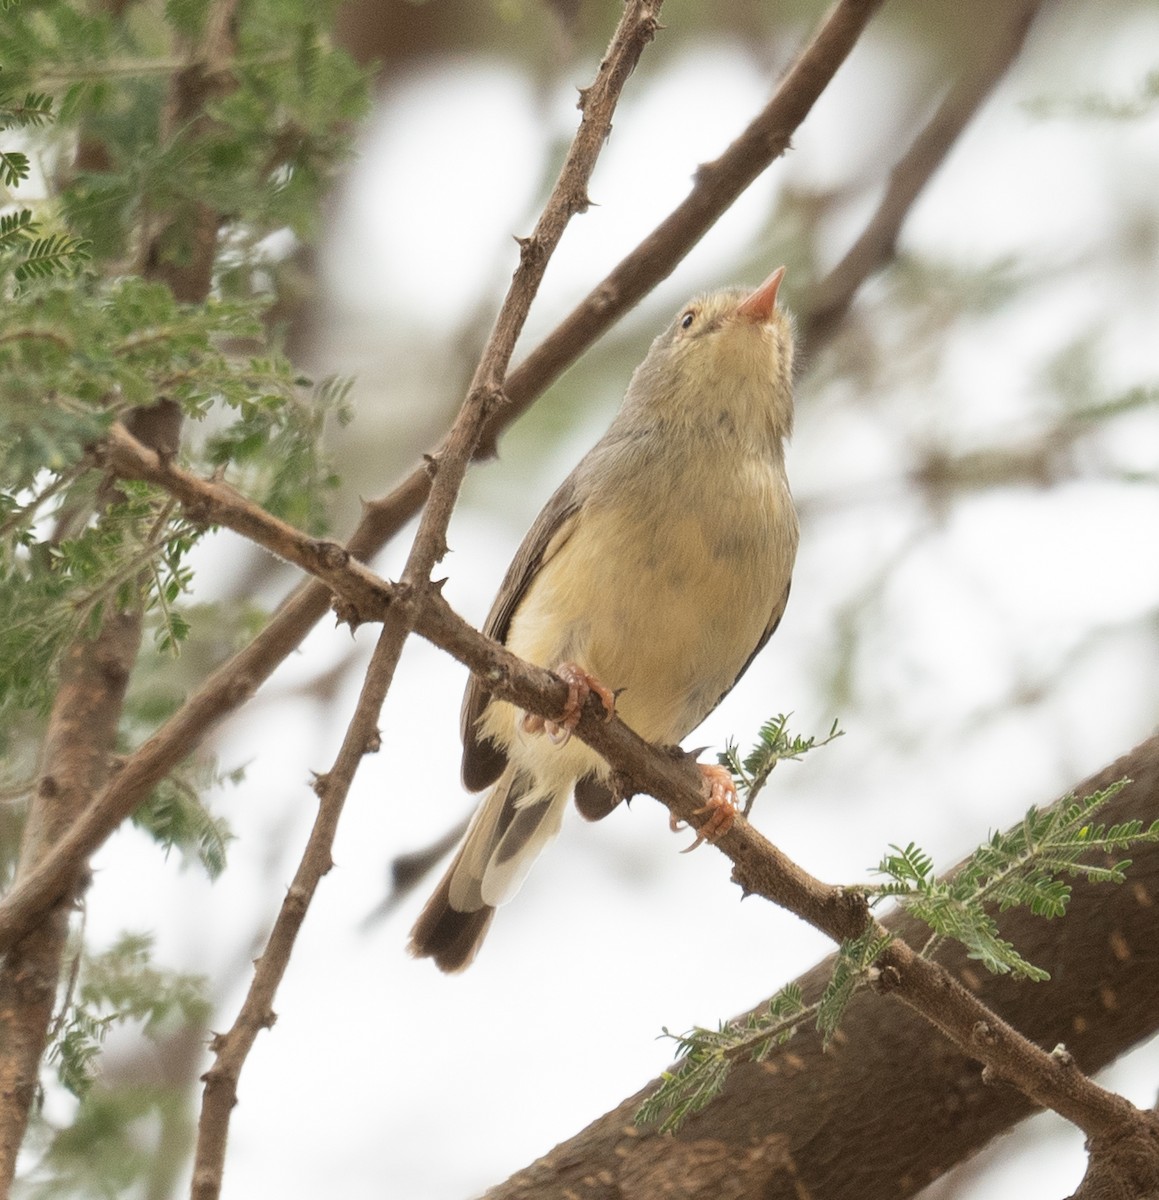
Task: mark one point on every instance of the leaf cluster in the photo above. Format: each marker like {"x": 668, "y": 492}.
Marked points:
{"x": 90, "y": 90}
{"x": 26, "y": 250}
{"x": 1098, "y": 106}
{"x": 708, "y": 1055}
{"x": 259, "y": 153}
{"x": 1026, "y": 866}
{"x": 176, "y": 818}
{"x": 775, "y": 743}
{"x": 67, "y": 369}
{"x": 119, "y": 986}
{"x": 105, "y": 1149}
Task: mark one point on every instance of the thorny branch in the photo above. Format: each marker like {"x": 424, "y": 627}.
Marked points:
{"x": 236, "y": 680}
{"x": 888, "y": 1072}
{"x": 569, "y": 196}
{"x": 759, "y": 867}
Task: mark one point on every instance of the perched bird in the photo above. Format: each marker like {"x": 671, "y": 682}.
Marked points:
{"x": 654, "y": 575}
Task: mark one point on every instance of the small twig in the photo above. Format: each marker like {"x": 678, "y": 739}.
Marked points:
{"x": 25, "y": 515}
{"x": 146, "y": 68}
{"x": 829, "y": 300}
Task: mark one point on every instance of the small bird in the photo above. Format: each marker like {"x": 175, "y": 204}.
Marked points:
{"x": 653, "y": 576}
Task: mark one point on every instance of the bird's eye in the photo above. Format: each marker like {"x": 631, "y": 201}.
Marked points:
{"x": 687, "y": 319}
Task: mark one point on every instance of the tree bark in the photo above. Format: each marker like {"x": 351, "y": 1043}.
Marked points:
{"x": 891, "y": 1105}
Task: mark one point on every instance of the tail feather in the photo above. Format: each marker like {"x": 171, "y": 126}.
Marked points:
{"x": 452, "y": 938}
{"x": 513, "y": 824}
{"x": 532, "y": 827}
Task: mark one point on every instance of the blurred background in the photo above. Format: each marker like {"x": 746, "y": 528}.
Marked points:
{"x": 976, "y": 598}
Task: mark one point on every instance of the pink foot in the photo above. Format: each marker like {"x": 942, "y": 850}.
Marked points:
{"x": 721, "y": 808}
{"x": 580, "y": 685}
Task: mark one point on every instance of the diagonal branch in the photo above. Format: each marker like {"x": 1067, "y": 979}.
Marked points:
{"x": 236, "y": 680}
{"x": 569, "y": 196}
{"x": 830, "y": 299}
{"x": 257, "y": 1012}
{"x": 758, "y": 866}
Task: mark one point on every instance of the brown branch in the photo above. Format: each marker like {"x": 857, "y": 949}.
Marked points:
{"x": 82, "y": 730}
{"x": 716, "y": 187}
{"x": 890, "y": 1106}
{"x": 257, "y": 1013}
{"x": 81, "y": 740}
{"x": 759, "y": 867}
{"x": 569, "y": 196}
{"x": 828, "y": 302}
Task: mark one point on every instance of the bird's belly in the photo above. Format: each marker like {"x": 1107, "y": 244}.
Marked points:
{"x": 665, "y": 611}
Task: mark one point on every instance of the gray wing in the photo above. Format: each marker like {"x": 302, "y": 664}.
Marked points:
{"x": 483, "y": 761}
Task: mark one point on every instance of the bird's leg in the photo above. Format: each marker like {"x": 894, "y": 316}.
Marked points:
{"x": 721, "y": 808}
{"x": 580, "y": 685}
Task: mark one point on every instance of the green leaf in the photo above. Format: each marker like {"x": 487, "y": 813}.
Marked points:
{"x": 46, "y": 256}
{"x": 774, "y": 744}
{"x": 14, "y": 167}
{"x": 851, "y": 970}
{"x": 708, "y": 1057}
{"x": 1025, "y": 866}
{"x": 113, "y": 988}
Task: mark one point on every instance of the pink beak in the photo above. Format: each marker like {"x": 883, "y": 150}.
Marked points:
{"x": 758, "y": 308}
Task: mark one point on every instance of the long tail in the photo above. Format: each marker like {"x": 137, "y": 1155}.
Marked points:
{"x": 510, "y": 828}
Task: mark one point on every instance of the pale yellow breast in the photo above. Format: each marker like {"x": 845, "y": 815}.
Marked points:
{"x": 665, "y": 602}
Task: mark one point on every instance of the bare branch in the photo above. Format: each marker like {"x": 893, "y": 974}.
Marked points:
{"x": 257, "y": 1013}
{"x": 829, "y": 301}
{"x": 568, "y": 197}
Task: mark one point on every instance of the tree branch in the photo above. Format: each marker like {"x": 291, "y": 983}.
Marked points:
{"x": 569, "y": 196}
{"x": 890, "y": 1106}
{"x": 829, "y": 300}
{"x": 82, "y": 730}
{"x": 235, "y": 681}
{"x": 759, "y": 867}
{"x": 257, "y": 1012}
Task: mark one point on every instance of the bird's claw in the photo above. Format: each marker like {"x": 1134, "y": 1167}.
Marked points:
{"x": 580, "y": 685}
{"x": 721, "y": 809}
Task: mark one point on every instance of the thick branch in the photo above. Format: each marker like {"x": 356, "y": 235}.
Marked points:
{"x": 82, "y": 730}
{"x": 891, "y": 1105}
